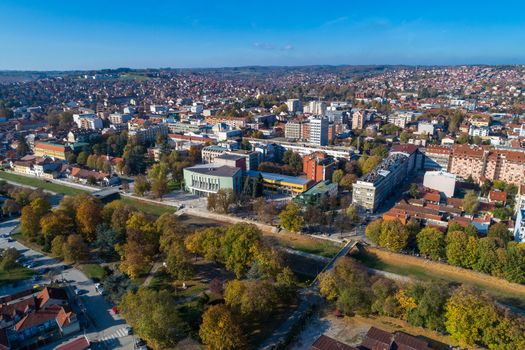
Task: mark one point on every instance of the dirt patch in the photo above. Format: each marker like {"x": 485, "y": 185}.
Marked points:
{"x": 352, "y": 330}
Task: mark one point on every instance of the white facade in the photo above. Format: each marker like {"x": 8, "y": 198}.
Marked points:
{"x": 481, "y": 131}
{"x": 440, "y": 181}
{"x": 424, "y": 128}
{"x": 318, "y": 131}
{"x": 316, "y": 107}
{"x": 294, "y": 105}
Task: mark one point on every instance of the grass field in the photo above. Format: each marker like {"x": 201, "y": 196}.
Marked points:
{"x": 401, "y": 265}
{"x": 28, "y": 181}
{"x": 306, "y": 244}
{"x": 14, "y": 275}
{"x": 93, "y": 271}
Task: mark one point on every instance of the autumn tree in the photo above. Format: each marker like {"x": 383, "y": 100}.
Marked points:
{"x": 394, "y": 235}
{"x": 158, "y": 176}
{"x": 239, "y": 246}
{"x": 141, "y": 245}
{"x": 470, "y": 202}
{"x": 154, "y": 317}
{"x": 219, "y": 330}
{"x": 251, "y": 298}
{"x": 373, "y": 230}
{"x": 141, "y": 185}
{"x": 501, "y": 231}
{"x": 461, "y": 249}
{"x": 431, "y": 242}
{"x": 88, "y": 217}
{"x": 290, "y": 218}
{"x": 75, "y": 249}
{"x": 225, "y": 198}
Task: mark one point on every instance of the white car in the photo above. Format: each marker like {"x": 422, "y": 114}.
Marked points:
{"x": 99, "y": 288}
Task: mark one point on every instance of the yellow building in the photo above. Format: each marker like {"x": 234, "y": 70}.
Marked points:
{"x": 278, "y": 183}
{"x": 49, "y": 149}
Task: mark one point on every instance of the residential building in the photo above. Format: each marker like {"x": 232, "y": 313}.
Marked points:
{"x": 204, "y": 179}
{"x": 504, "y": 165}
{"x": 318, "y": 131}
{"x": 318, "y": 166}
{"x": 373, "y": 188}
{"x": 234, "y": 122}
{"x": 425, "y": 128}
{"x": 316, "y": 108}
{"x": 467, "y": 161}
{"x": 88, "y": 121}
{"x": 480, "y": 131}
{"x": 358, "y": 120}
{"x": 149, "y": 134}
{"x": 437, "y": 157}
{"x": 230, "y": 160}
{"x": 441, "y": 181}
{"x": 119, "y": 118}
{"x": 294, "y": 105}
{"x": 293, "y": 130}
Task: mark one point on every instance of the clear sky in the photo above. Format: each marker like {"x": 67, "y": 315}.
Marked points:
{"x": 82, "y": 34}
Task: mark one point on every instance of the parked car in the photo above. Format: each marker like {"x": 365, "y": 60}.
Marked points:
{"x": 99, "y": 288}
{"x": 128, "y": 330}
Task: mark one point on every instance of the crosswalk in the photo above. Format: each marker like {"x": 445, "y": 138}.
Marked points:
{"x": 112, "y": 339}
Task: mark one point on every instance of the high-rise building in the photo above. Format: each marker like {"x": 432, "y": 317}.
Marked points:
{"x": 358, "y": 120}
{"x": 318, "y": 166}
{"x": 294, "y": 105}
{"x": 318, "y": 131}
{"x": 316, "y": 108}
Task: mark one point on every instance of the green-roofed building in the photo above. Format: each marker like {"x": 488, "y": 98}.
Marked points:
{"x": 314, "y": 194}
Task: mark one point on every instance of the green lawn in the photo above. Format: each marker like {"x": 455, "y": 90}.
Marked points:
{"x": 28, "y": 181}
{"x": 317, "y": 247}
{"x": 93, "y": 271}
{"x": 148, "y": 207}
{"x": 14, "y": 275}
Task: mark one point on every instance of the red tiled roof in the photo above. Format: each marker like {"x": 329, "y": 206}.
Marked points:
{"x": 497, "y": 196}
{"x": 81, "y": 343}
{"x": 38, "y": 317}
{"x": 326, "y": 343}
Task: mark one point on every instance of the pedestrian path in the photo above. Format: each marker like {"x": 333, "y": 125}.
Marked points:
{"x": 111, "y": 340}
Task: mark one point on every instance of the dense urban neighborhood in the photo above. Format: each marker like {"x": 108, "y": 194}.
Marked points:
{"x": 315, "y": 207}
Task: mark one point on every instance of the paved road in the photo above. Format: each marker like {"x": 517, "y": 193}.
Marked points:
{"x": 102, "y": 326}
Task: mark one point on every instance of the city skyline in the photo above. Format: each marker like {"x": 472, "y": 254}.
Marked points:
{"x": 96, "y": 35}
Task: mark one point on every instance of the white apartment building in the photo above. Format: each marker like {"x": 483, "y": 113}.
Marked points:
{"x": 318, "y": 131}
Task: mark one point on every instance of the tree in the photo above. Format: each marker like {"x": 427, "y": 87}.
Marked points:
{"x": 220, "y": 331}
{"x": 10, "y": 207}
{"x": 337, "y": 176}
{"x": 266, "y": 212}
{"x": 75, "y": 249}
{"x": 470, "y": 203}
{"x": 352, "y": 213}
{"x": 141, "y": 185}
{"x": 373, "y": 230}
{"x": 29, "y": 223}
{"x": 178, "y": 261}
{"x": 106, "y": 239}
{"x": 88, "y": 217}
{"x": 414, "y": 191}
{"x": 9, "y": 257}
{"x": 225, "y": 198}
{"x": 291, "y": 218}
{"x": 461, "y": 249}
{"x": 158, "y": 175}
{"x": 514, "y": 270}
{"x": 394, "y": 236}
{"x": 251, "y": 298}
{"x": 500, "y": 230}
{"x": 239, "y": 246}
{"x": 384, "y": 304}
{"x": 488, "y": 259}
{"x": 468, "y": 314}
{"x": 137, "y": 253}
{"x": 56, "y": 223}
{"x": 430, "y": 299}
{"x": 154, "y": 316}
{"x": 57, "y": 246}
{"x": 347, "y": 181}
{"x": 22, "y": 148}
{"x": 431, "y": 242}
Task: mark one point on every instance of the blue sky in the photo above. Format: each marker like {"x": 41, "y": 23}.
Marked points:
{"x": 78, "y": 34}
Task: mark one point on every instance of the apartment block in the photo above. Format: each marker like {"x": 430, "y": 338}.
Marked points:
{"x": 467, "y": 161}
{"x": 318, "y": 166}
{"x": 437, "y": 157}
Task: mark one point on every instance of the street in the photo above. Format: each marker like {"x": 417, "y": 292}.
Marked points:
{"x": 102, "y": 327}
